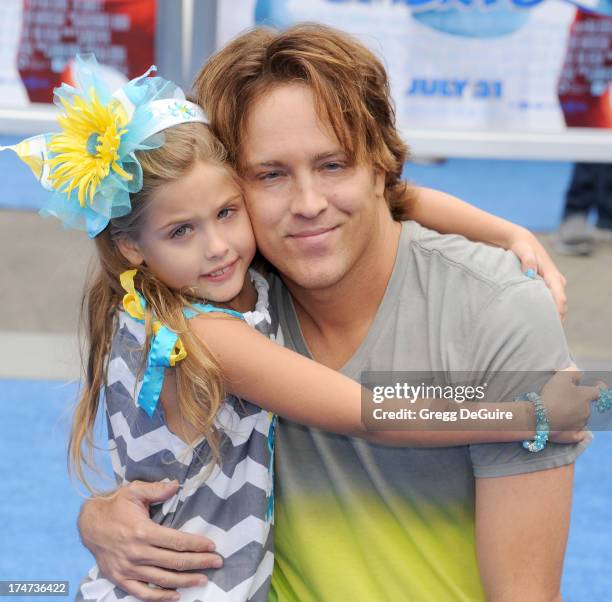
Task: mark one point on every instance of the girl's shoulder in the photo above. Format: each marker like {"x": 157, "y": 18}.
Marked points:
{"x": 127, "y": 356}
{"x": 128, "y": 339}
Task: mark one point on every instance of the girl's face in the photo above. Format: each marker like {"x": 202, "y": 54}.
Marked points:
{"x": 197, "y": 234}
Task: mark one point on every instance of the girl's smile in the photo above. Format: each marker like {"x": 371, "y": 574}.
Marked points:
{"x": 222, "y": 274}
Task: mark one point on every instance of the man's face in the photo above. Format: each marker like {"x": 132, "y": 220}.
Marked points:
{"x": 314, "y": 213}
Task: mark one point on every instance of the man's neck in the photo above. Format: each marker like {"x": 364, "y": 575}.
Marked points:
{"x": 335, "y": 320}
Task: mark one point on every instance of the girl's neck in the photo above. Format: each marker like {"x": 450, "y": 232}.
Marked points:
{"x": 245, "y": 300}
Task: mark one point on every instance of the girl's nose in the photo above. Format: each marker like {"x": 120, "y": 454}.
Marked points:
{"x": 216, "y": 245}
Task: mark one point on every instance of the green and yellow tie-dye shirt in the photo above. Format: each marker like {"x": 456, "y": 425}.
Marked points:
{"x": 357, "y": 522}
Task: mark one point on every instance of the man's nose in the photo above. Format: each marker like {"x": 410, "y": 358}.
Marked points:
{"x": 308, "y": 200}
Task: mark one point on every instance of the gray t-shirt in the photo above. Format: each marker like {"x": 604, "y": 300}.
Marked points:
{"x": 362, "y": 522}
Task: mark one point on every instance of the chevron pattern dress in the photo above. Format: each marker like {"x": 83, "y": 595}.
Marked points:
{"x": 232, "y": 503}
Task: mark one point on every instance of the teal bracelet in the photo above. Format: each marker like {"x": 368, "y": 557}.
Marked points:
{"x": 542, "y": 427}
{"x": 604, "y": 401}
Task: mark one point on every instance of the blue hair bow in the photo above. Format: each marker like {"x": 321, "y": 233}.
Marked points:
{"x": 90, "y": 165}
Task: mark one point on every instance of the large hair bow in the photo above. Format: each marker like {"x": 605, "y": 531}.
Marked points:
{"x": 90, "y": 165}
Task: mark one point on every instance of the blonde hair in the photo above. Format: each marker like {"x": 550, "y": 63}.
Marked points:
{"x": 350, "y": 87}
{"x": 200, "y": 390}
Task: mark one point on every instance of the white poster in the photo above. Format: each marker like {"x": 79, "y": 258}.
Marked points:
{"x": 533, "y": 65}
{"x": 12, "y": 90}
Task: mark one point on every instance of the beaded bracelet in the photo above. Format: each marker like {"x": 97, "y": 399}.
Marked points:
{"x": 542, "y": 425}
{"x": 602, "y": 404}
{"x": 604, "y": 401}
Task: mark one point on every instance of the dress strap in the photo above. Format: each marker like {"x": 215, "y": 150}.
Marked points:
{"x": 207, "y": 308}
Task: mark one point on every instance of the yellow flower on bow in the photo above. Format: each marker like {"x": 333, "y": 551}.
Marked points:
{"x": 88, "y": 148}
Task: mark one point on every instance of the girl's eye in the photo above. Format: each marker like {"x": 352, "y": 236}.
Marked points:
{"x": 333, "y": 166}
{"x": 225, "y": 212}
{"x": 180, "y": 232}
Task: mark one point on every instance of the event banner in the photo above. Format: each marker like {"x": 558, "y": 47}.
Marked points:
{"x": 39, "y": 39}
{"x": 532, "y": 65}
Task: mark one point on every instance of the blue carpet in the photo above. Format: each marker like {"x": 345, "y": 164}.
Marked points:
{"x": 40, "y": 505}
{"x": 587, "y": 575}
{"x": 530, "y": 193}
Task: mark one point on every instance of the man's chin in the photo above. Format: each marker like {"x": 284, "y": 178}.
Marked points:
{"x": 317, "y": 277}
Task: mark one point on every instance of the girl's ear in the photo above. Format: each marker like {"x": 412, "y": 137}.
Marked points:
{"x": 130, "y": 250}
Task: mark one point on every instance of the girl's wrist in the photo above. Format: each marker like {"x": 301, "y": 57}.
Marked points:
{"x": 537, "y": 442}
{"x": 526, "y": 420}
{"x": 512, "y": 234}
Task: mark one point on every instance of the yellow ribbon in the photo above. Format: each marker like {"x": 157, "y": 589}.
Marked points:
{"x": 133, "y": 303}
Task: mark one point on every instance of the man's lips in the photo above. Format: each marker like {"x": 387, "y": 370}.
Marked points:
{"x": 311, "y": 233}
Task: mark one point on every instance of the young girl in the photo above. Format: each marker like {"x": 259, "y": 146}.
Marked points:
{"x": 175, "y": 321}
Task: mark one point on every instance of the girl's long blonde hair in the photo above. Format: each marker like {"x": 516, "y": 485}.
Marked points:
{"x": 200, "y": 390}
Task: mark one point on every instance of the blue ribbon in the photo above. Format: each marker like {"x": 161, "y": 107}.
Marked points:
{"x": 162, "y": 346}
{"x": 206, "y": 308}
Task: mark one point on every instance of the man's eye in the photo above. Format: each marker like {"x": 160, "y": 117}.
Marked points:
{"x": 181, "y": 231}
{"x": 333, "y": 166}
{"x": 269, "y": 176}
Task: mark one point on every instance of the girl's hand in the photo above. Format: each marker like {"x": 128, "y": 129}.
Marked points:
{"x": 448, "y": 214}
{"x": 568, "y": 405}
{"x": 533, "y": 256}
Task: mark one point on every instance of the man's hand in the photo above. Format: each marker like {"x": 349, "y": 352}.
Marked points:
{"x": 133, "y": 551}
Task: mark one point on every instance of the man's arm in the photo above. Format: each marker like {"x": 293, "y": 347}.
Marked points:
{"x": 132, "y": 551}
{"x": 523, "y": 499}
{"x": 523, "y": 563}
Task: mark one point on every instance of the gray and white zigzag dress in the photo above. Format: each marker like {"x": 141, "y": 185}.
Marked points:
{"x": 233, "y": 505}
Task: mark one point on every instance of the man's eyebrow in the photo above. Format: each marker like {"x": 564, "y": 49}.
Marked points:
{"x": 328, "y": 154}
{"x": 277, "y": 163}
{"x": 270, "y": 163}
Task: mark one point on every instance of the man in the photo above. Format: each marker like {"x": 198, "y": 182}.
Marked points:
{"x": 306, "y": 117}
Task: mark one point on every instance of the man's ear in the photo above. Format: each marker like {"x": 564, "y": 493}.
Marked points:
{"x": 130, "y": 250}
{"x": 379, "y": 182}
